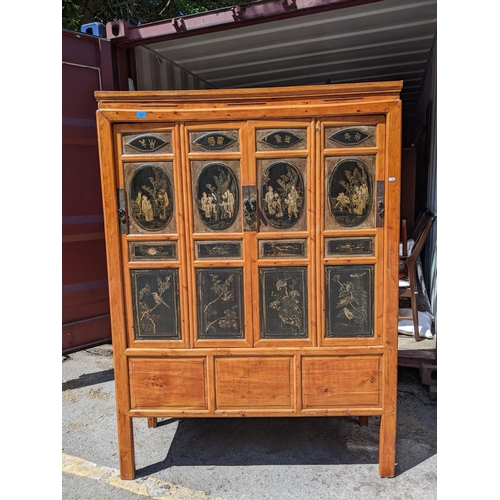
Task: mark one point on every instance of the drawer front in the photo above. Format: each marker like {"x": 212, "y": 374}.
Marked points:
{"x": 336, "y": 381}
{"x": 254, "y": 382}
{"x": 171, "y": 383}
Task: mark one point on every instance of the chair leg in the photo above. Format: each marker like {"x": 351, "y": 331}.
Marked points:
{"x": 413, "y": 301}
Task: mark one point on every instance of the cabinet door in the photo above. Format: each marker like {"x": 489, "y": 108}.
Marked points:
{"x": 281, "y": 170}
{"x": 148, "y": 177}
{"x": 218, "y": 259}
{"x": 350, "y": 208}
{"x": 250, "y": 247}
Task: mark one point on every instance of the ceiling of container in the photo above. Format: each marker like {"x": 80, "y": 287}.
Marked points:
{"x": 379, "y": 41}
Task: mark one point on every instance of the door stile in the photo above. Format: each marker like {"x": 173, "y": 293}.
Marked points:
{"x": 189, "y": 254}
{"x": 250, "y": 237}
{"x": 319, "y": 223}
{"x": 387, "y": 441}
{"x": 185, "y": 223}
{"x": 108, "y": 174}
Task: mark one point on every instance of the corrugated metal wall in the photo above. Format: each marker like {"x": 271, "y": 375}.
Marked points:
{"x": 431, "y": 254}
{"x": 85, "y": 299}
{"x": 158, "y": 73}
{"x": 427, "y": 111}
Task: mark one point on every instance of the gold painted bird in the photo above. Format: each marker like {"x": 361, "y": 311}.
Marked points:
{"x": 158, "y": 300}
{"x": 348, "y": 314}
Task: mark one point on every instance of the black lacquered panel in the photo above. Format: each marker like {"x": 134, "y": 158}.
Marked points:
{"x": 272, "y": 139}
{"x": 349, "y": 301}
{"x": 340, "y": 247}
{"x": 348, "y": 137}
{"x": 220, "y": 303}
{"x": 214, "y": 140}
{"x": 147, "y": 143}
{"x": 269, "y": 249}
{"x": 216, "y": 190}
{"x": 283, "y": 302}
{"x": 155, "y": 295}
{"x": 150, "y": 197}
{"x": 283, "y": 194}
{"x": 218, "y": 249}
{"x": 350, "y": 192}
{"x": 153, "y": 251}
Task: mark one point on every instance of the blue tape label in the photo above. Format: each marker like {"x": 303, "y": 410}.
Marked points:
{"x": 141, "y": 114}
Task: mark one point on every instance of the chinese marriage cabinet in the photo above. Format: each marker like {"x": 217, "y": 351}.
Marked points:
{"x": 252, "y": 246}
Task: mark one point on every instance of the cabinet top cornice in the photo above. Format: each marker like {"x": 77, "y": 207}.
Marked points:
{"x": 390, "y": 90}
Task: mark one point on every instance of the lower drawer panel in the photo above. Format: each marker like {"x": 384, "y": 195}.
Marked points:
{"x": 335, "y": 381}
{"x": 173, "y": 383}
{"x": 254, "y": 382}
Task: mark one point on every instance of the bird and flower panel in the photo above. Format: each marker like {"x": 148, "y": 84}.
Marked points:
{"x": 349, "y": 301}
{"x": 349, "y": 192}
{"x": 283, "y": 302}
{"x": 150, "y": 197}
{"x": 155, "y": 296}
{"x": 220, "y": 303}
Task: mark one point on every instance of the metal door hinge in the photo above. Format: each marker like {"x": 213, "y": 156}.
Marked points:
{"x": 380, "y": 203}
{"x": 122, "y": 214}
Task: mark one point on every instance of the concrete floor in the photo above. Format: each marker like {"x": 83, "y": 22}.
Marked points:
{"x": 239, "y": 459}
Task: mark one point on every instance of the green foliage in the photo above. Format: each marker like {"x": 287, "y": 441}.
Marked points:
{"x": 78, "y": 12}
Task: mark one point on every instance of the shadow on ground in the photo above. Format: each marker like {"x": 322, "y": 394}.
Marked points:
{"x": 306, "y": 440}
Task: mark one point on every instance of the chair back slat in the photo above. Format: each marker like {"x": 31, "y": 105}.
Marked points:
{"x": 422, "y": 227}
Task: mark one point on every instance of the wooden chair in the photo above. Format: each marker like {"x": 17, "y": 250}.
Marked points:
{"x": 408, "y": 263}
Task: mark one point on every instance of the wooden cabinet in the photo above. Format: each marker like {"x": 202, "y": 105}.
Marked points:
{"x": 252, "y": 245}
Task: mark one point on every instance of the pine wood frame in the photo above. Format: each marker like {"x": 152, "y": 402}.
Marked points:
{"x": 295, "y": 371}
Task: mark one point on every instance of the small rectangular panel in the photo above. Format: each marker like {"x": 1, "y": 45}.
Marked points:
{"x": 346, "y": 247}
{"x": 283, "y": 302}
{"x": 253, "y": 382}
{"x": 352, "y": 136}
{"x": 349, "y": 301}
{"x": 335, "y": 381}
{"x": 271, "y": 249}
{"x": 220, "y": 303}
{"x": 218, "y": 250}
{"x": 172, "y": 383}
{"x": 150, "y": 143}
{"x": 214, "y": 140}
{"x": 156, "y": 251}
{"x": 155, "y": 295}
{"x": 350, "y": 196}
{"x": 275, "y": 139}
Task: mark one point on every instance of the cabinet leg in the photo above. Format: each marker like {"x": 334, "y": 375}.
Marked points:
{"x": 363, "y": 421}
{"x": 387, "y": 445}
{"x": 152, "y": 422}
{"x": 126, "y": 446}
